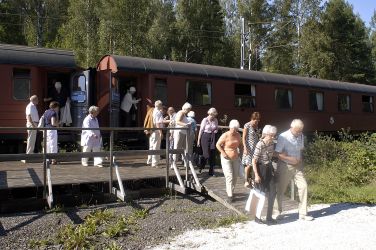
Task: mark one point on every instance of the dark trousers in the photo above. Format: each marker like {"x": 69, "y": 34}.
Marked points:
{"x": 126, "y": 119}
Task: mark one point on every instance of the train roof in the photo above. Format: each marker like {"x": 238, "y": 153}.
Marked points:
{"x": 24, "y": 55}
{"x": 137, "y": 64}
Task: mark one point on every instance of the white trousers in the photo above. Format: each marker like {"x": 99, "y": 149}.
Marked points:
{"x": 31, "y": 138}
{"x": 231, "y": 171}
{"x": 154, "y": 144}
{"x": 97, "y": 160}
{"x": 51, "y": 141}
{"x": 179, "y": 142}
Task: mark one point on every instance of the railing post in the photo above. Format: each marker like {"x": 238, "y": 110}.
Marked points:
{"x": 186, "y": 161}
{"x": 167, "y": 156}
{"x": 111, "y": 158}
{"x": 44, "y": 163}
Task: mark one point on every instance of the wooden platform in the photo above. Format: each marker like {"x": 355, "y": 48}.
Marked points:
{"x": 15, "y": 175}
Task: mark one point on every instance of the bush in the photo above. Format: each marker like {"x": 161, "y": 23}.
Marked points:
{"x": 337, "y": 169}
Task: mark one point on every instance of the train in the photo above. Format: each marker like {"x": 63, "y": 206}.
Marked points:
{"x": 323, "y": 105}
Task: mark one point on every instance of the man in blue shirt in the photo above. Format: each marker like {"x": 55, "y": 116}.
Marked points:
{"x": 290, "y": 166}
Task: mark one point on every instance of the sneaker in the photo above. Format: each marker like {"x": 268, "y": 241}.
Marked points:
{"x": 247, "y": 185}
{"x": 99, "y": 165}
{"x": 306, "y": 218}
{"x": 271, "y": 221}
{"x": 259, "y": 221}
{"x": 84, "y": 164}
{"x": 23, "y": 161}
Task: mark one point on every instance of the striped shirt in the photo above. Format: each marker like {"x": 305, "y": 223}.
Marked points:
{"x": 263, "y": 153}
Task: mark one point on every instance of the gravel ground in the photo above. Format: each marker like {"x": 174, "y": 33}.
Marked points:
{"x": 337, "y": 226}
{"x": 167, "y": 217}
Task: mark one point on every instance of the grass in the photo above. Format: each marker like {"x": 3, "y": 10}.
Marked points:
{"x": 96, "y": 225}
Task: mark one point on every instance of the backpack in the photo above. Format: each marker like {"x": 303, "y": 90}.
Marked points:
{"x": 148, "y": 122}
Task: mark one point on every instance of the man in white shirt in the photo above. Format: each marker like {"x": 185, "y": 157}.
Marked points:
{"x": 126, "y": 106}
{"x": 156, "y": 136}
{"x": 32, "y": 119}
{"x": 290, "y": 166}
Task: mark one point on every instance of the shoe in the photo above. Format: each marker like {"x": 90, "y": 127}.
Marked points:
{"x": 247, "y": 185}
{"x": 84, "y": 164}
{"x": 154, "y": 166}
{"x": 259, "y": 221}
{"x": 271, "y": 221}
{"x": 99, "y": 165}
{"x": 23, "y": 161}
{"x": 53, "y": 162}
{"x": 306, "y": 218}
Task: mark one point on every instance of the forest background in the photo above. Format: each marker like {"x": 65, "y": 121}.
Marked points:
{"x": 314, "y": 38}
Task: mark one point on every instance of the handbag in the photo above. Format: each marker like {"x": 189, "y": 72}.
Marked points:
{"x": 41, "y": 122}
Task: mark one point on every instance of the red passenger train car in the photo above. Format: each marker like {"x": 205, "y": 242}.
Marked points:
{"x": 323, "y": 105}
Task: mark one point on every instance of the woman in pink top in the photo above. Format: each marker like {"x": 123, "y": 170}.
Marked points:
{"x": 206, "y": 138}
{"x": 230, "y": 145}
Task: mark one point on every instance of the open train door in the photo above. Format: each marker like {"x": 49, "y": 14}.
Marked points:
{"x": 81, "y": 97}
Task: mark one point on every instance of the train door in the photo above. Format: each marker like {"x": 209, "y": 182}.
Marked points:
{"x": 115, "y": 103}
{"x": 80, "y": 96}
{"x": 125, "y": 83}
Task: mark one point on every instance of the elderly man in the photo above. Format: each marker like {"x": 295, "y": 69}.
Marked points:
{"x": 91, "y": 139}
{"x": 126, "y": 106}
{"x": 32, "y": 119}
{"x": 290, "y": 166}
{"x": 156, "y": 135}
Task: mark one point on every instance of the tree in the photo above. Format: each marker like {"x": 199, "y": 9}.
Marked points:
{"x": 340, "y": 48}
{"x": 80, "y": 32}
{"x": 373, "y": 43}
{"x": 11, "y": 24}
{"x": 42, "y": 19}
{"x": 279, "y": 53}
{"x": 162, "y": 34}
{"x": 123, "y": 25}
{"x": 201, "y": 32}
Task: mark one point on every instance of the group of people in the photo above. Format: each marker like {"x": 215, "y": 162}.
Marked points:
{"x": 185, "y": 131}
{"x": 250, "y": 150}
{"x": 258, "y": 155}
{"x": 90, "y": 137}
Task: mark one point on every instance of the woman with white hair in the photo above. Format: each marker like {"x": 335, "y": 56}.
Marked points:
{"x": 229, "y": 145}
{"x": 91, "y": 139}
{"x": 206, "y": 138}
{"x": 192, "y": 136}
{"x": 181, "y": 121}
{"x": 263, "y": 168}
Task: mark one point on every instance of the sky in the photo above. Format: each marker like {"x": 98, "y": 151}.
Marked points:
{"x": 364, "y": 8}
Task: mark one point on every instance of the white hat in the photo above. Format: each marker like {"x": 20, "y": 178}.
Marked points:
{"x": 132, "y": 89}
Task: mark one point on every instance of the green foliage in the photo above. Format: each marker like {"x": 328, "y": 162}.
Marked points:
{"x": 228, "y": 221}
{"x": 339, "y": 171}
{"x": 116, "y": 229}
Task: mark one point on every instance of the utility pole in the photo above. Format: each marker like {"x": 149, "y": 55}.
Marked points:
{"x": 242, "y": 43}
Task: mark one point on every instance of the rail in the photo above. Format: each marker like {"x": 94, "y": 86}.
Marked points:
{"x": 111, "y": 155}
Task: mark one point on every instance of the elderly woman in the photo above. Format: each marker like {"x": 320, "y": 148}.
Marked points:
{"x": 206, "y": 137}
{"x": 229, "y": 145}
{"x": 51, "y": 121}
{"x": 180, "y": 135}
{"x": 250, "y": 139}
{"x": 91, "y": 139}
{"x": 263, "y": 168}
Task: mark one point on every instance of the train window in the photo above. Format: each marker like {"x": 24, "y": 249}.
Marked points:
{"x": 245, "y": 95}
{"x": 79, "y": 89}
{"x": 21, "y": 84}
{"x": 344, "y": 103}
{"x": 316, "y": 101}
{"x": 367, "y": 102}
{"x": 198, "y": 93}
{"x": 160, "y": 90}
{"x": 283, "y": 98}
